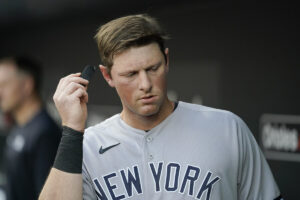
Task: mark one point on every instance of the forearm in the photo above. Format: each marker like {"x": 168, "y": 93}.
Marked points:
{"x": 62, "y": 185}
{"x": 65, "y": 179}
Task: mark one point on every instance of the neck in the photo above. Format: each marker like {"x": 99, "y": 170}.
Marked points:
{"x": 27, "y": 110}
{"x": 148, "y": 122}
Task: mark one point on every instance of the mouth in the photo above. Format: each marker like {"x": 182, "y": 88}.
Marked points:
{"x": 148, "y": 99}
{"x": 147, "y": 96}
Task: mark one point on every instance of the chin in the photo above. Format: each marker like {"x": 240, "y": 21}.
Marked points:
{"x": 147, "y": 112}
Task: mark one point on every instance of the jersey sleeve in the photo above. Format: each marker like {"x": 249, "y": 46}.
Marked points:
{"x": 88, "y": 189}
{"x": 255, "y": 179}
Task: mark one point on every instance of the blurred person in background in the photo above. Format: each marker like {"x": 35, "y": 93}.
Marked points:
{"x": 32, "y": 144}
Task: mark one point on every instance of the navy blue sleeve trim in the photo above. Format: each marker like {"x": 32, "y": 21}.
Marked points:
{"x": 279, "y": 198}
{"x": 175, "y": 105}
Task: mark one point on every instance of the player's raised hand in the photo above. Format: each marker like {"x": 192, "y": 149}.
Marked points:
{"x": 70, "y": 99}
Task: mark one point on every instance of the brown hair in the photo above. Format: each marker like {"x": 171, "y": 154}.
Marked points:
{"x": 122, "y": 33}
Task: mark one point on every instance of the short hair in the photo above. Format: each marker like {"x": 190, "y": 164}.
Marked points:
{"x": 29, "y": 66}
{"x": 122, "y": 33}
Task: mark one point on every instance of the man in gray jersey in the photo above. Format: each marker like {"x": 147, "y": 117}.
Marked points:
{"x": 155, "y": 148}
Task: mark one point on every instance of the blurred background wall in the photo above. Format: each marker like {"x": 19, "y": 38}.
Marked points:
{"x": 241, "y": 57}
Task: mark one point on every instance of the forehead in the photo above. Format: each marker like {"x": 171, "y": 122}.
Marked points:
{"x": 138, "y": 57}
{"x": 7, "y": 70}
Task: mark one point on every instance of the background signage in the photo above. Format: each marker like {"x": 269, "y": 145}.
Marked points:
{"x": 279, "y": 137}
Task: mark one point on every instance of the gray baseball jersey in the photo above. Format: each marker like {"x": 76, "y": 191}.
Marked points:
{"x": 195, "y": 153}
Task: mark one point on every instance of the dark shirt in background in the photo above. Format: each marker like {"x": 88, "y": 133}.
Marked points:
{"x": 29, "y": 155}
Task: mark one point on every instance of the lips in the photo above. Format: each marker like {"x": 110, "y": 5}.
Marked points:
{"x": 148, "y": 99}
{"x": 147, "y": 96}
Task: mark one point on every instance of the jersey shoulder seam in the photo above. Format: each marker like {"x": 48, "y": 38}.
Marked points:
{"x": 201, "y": 108}
{"x": 102, "y": 126}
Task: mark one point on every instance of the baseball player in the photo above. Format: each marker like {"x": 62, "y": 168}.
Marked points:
{"x": 155, "y": 148}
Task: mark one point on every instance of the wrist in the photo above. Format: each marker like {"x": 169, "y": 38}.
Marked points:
{"x": 78, "y": 127}
{"x": 69, "y": 154}
{"x": 70, "y": 131}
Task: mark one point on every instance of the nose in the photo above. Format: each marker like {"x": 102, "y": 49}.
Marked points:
{"x": 145, "y": 83}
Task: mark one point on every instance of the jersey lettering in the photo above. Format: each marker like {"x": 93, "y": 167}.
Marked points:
{"x": 207, "y": 186}
{"x": 111, "y": 187}
{"x": 168, "y": 186}
{"x": 190, "y": 178}
{"x": 102, "y": 194}
{"x": 132, "y": 180}
{"x": 156, "y": 174}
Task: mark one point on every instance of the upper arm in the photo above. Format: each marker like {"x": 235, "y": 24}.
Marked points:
{"x": 255, "y": 179}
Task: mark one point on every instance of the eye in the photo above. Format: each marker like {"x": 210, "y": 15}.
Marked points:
{"x": 154, "y": 68}
{"x": 130, "y": 74}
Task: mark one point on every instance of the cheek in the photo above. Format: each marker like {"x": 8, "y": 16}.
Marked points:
{"x": 125, "y": 91}
{"x": 160, "y": 82}
{"x": 9, "y": 98}
{"x": 13, "y": 93}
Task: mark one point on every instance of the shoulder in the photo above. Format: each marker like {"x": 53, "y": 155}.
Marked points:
{"x": 42, "y": 126}
{"x": 41, "y": 131}
{"x": 209, "y": 113}
{"x": 101, "y": 127}
{"x": 100, "y": 134}
{"x": 203, "y": 117}
{"x": 43, "y": 122}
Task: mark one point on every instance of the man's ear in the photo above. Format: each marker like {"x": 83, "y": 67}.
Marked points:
{"x": 167, "y": 58}
{"x": 106, "y": 75}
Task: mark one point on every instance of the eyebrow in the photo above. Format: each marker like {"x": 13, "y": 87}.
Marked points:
{"x": 131, "y": 71}
{"x": 155, "y": 65}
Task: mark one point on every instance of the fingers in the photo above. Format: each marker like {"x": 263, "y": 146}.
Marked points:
{"x": 81, "y": 94}
{"x": 70, "y": 99}
{"x": 71, "y": 78}
{"x": 73, "y": 86}
{"x": 69, "y": 84}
